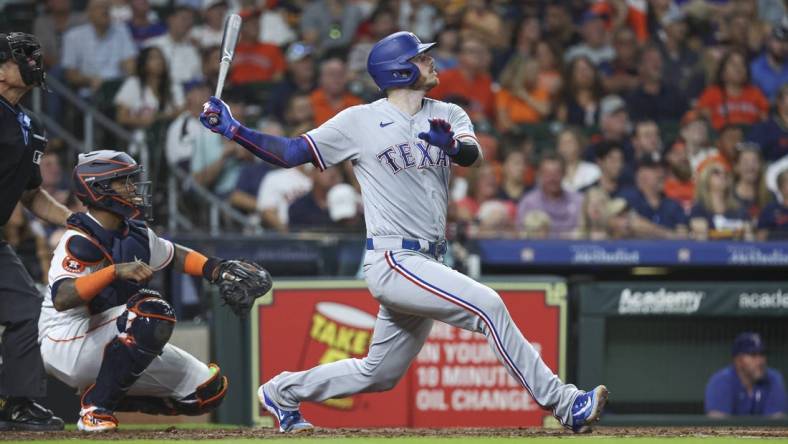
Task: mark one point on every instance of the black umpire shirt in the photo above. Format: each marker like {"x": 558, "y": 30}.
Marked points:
{"x": 22, "y": 144}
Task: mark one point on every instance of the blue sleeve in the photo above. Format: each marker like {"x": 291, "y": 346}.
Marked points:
{"x": 282, "y": 151}
{"x": 775, "y": 401}
{"x": 718, "y": 396}
{"x": 677, "y": 215}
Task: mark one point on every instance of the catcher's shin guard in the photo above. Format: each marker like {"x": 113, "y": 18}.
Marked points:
{"x": 145, "y": 327}
{"x": 204, "y": 399}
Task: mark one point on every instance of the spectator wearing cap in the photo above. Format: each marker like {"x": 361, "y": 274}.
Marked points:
{"x": 679, "y": 183}
{"x": 582, "y": 91}
{"x": 578, "y": 172}
{"x": 660, "y": 216}
{"x": 681, "y": 66}
{"x": 299, "y": 78}
{"x": 770, "y": 69}
{"x": 621, "y": 74}
{"x": 332, "y": 95}
{"x": 254, "y": 61}
{"x": 595, "y": 44}
{"x": 749, "y": 186}
{"x": 183, "y": 58}
{"x": 470, "y": 81}
{"x": 144, "y": 24}
{"x": 614, "y": 126}
{"x": 184, "y": 130}
{"x": 773, "y": 220}
{"x": 732, "y": 99}
{"x": 716, "y": 213}
{"x": 653, "y": 98}
{"x": 772, "y": 135}
{"x": 609, "y": 157}
{"x": 327, "y": 24}
{"x": 563, "y": 206}
{"x": 97, "y": 51}
{"x": 746, "y": 387}
{"x": 211, "y": 31}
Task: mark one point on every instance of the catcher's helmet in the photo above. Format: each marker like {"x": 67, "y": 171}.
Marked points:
{"x": 389, "y": 61}
{"x": 25, "y": 50}
{"x": 92, "y": 183}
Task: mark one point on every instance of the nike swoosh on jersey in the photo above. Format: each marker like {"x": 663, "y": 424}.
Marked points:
{"x": 383, "y": 125}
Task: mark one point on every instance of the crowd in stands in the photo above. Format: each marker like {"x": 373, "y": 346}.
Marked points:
{"x": 599, "y": 119}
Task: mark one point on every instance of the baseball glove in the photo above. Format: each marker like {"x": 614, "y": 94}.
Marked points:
{"x": 240, "y": 283}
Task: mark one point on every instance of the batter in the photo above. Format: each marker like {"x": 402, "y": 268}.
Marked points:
{"x": 401, "y": 148}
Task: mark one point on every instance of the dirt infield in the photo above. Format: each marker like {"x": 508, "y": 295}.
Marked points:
{"x": 174, "y": 433}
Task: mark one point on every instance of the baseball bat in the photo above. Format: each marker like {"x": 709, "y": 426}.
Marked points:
{"x": 232, "y": 27}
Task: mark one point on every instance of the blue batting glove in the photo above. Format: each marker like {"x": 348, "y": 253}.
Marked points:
{"x": 441, "y": 135}
{"x": 226, "y": 124}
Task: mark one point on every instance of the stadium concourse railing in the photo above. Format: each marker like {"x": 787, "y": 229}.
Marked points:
{"x": 178, "y": 181}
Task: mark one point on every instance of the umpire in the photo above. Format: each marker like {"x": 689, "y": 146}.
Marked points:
{"x": 22, "y": 145}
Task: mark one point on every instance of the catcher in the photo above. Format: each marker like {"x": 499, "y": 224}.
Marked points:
{"x": 101, "y": 331}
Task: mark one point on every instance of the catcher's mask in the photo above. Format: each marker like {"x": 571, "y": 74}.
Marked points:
{"x": 93, "y": 177}
{"x": 25, "y": 50}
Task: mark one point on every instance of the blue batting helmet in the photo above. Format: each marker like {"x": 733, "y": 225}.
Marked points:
{"x": 92, "y": 178}
{"x": 389, "y": 61}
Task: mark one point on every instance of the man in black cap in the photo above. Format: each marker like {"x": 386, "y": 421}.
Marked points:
{"x": 747, "y": 386}
{"x": 22, "y": 144}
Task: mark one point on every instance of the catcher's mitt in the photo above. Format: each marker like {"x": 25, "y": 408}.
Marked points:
{"x": 240, "y": 283}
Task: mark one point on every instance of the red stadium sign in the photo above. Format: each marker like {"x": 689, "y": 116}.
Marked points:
{"x": 456, "y": 380}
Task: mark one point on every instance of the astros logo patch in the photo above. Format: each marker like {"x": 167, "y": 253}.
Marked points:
{"x": 73, "y": 265}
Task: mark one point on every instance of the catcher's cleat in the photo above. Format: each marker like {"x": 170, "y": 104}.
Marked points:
{"x": 27, "y": 415}
{"x": 290, "y": 421}
{"x": 587, "y": 409}
{"x": 95, "y": 419}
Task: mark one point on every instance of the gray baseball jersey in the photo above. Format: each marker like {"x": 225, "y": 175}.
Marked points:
{"x": 404, "y": 183}
{"x": 404, "y": 180}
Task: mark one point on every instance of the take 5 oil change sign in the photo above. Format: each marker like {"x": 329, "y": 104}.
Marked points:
{"x": 456, "y": 379}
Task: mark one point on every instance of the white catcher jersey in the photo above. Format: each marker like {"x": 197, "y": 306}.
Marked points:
{"x": 404, "y": 180}
{"x": 76, "y": 321}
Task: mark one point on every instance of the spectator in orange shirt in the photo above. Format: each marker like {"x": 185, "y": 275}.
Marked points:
{"x": 522, "y": 99}
{"x": 679, "y": 185}
{"x": 732, "y": 99}
{"x": 331, "y": 96}
{"x": 255, "y": 61}
{"x": 470, "y": 81}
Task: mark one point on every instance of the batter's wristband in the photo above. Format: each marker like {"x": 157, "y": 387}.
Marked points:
{"x": 209, "y": 267}
{"x": 88, "y": 287}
